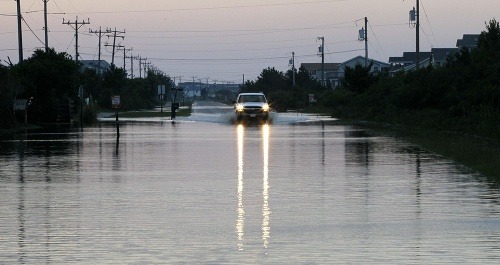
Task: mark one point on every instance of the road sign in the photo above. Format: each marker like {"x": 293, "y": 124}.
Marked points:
{"x": 311, "y": 98}
{"x": 20, "y": 104}
{"x": 161, "y": 89}
{"x": 115, "y": 102}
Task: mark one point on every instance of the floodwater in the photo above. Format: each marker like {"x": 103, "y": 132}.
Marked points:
{"x": 301, "y": 190}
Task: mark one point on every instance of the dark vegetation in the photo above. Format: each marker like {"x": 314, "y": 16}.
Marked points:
{"x": 50, "y": 79}
{"x": 463, "y": 96}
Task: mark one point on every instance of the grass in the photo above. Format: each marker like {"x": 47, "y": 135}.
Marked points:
{"x": 478, "y": 153}
{"x": 154, "y": 114}
{"x": 481, "y": 154}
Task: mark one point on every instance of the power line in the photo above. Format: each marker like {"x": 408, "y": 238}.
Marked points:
{"x": 376, "y": 39}
{"x": 224, "y": 60}
{"x": 26, "y": 23}
{"x": 430, "y": 26}
{"x": 214, "y": 8}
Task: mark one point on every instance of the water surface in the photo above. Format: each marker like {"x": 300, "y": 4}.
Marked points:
{"x": 216, "y": 193}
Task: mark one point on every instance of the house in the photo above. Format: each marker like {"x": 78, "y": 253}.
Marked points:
{"x": 192, "y": 89}
{"x": 407, "y": 59}
{"x": 315, "y": 70}
{"x": 198, "y": 89}
{"x": 441, "y": 55}
{"x": 335, "y": 72}
{"x": 423, "y": 63}
{"x": 468, "y": 41}
{"x": 437, "y": 58}
{"x": 377, "y": 67}
{"x": 94, "y": 65}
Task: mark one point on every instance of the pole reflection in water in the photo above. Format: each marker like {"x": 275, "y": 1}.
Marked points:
{"x": 240, "y": 223}
{"x": 265, "y": 189}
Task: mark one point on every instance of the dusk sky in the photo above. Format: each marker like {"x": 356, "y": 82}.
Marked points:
{"x": 224, "y": 39}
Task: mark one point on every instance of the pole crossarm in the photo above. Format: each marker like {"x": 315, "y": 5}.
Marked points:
{"x": 115, "y": 34}
{"x": 76, "y": 25}
{"x": 100, "y": 33}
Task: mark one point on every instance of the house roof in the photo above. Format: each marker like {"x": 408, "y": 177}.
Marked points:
{"x": 409, "y": 57}
{"x": 317, "y": 66}
{"x": 468, "y": 40}
{"x": 94, "y": 64}
{"x": 363, "y": 58}
{"x": 423, "y": 63}
{"x": 441, "y": 54}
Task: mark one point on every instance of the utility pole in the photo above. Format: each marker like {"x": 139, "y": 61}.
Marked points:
{"x": 115, "y": 35}
{"x": 193, "y": 78}
{"x": 76, "y": 25}
{"x": 99, "y": 33}
{"x": 46, "y": 25}
{"x": 322, "y": 51}
{"x": 418, "y": 35}
{"x": 124, "y": 55}
{"x": 293, "y": 67}
{"x": 363, "y": 36}
{"x": 366, "y": 41}
{"x": 140, "y": 66}
{"x": 132, "y": 58}
{"x": 19, "y": 31}
{"x": 146, "y": 68}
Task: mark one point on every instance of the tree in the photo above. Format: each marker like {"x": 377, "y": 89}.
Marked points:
{"x": 269, "y": 80}
{"x": 7, "y": 119}
{"x": 47, "y": 77}
{"x": 358, "y": 79}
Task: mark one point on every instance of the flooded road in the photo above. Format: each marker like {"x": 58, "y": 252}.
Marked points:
{"x": 301, "y": 190}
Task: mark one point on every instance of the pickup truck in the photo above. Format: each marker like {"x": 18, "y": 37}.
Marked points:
{"x": 251, "y": 106}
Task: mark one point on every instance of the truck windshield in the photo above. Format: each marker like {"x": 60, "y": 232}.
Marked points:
{"x": 251, "y": 98}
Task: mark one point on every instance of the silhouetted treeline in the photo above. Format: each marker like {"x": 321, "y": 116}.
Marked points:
{"x": 279, "y": 89}
{"x": 464, "y": 95}
{"x": 49, "y": 79}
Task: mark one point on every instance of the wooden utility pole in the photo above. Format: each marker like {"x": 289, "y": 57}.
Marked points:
{"x": 322, "y": 59}
{"x": 122, "y": 48}
{"x": 76, "y": 25}
{"x": 99, "y": 33}
{"x": 140, "y": 66}
{"x": 418, "y": 36}
{"x": 115, "y": 34}
{"x": 19, "y": 31}
{"x": 46, "y": 25}
{"x": 366, "y": 42}
{"x": 293, "y": 68}
{"x": 132, "y": 58}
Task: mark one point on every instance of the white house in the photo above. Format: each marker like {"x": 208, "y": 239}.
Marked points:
{"x": 377, "y": 67}
{"x": 335, "y": 72}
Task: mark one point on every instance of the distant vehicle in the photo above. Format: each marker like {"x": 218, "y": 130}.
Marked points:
{"x": 251, "y": 106}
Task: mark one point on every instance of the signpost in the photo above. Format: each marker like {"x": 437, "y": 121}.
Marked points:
{"x": 311, "y": 98}
{"x": 22, "y": 105}
{"x": 115, "y": 104}
{"x": 174, "y": 105}
{"x": 161, "y": 95}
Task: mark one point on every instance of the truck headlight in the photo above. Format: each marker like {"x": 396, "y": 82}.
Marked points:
{"x": 265, "y": 107}
{"x": 239, "y": 108}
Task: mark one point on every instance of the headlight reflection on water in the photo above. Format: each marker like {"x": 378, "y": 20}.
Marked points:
{"x": 240, "y": 223}
{"x": 266, "y": 211}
